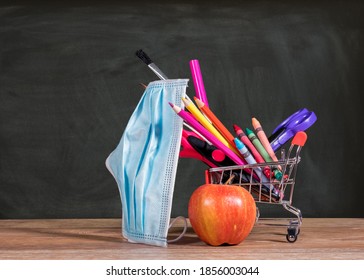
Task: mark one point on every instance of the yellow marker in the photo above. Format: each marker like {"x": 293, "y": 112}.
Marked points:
{"x": 202, "y": 119}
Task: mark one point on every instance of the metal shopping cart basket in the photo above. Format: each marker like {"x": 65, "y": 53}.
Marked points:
{"x": 261, "y": 181}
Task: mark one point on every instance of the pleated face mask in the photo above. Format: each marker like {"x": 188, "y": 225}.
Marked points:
{"x": 144, "y": 164}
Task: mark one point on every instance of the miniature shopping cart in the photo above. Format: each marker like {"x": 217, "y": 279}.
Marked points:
{"x": 270, "y": 183}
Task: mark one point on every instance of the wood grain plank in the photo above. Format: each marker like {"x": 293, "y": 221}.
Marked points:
{"x": 101, "y": 239}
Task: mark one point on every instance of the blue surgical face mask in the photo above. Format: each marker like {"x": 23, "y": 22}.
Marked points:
{"x": 144, "y": 163}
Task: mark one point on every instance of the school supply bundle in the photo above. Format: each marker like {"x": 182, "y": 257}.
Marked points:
{"x": 145, "y": 161}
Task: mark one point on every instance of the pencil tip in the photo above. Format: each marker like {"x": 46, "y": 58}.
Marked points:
{"x": 185, "y": 101}
{"x": 198, "y": 102}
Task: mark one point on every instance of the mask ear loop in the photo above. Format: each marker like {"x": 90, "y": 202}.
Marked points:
{"x": 184, "y": 228}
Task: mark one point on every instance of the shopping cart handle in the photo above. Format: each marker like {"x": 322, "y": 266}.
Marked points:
{"x": 299, "y": 139}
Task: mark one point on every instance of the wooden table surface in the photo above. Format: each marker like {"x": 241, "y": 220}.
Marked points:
{"x": 100, "y": 239}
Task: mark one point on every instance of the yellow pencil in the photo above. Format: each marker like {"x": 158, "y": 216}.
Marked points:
{"x": 202, "y": 119}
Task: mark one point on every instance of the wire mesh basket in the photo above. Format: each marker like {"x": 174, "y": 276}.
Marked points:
{"x": 269, "y": 183}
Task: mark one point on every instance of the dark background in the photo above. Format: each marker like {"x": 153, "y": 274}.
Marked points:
{"x": 69, "y": 81}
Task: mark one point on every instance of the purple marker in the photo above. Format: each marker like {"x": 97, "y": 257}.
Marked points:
{"x": 197, "y": 81}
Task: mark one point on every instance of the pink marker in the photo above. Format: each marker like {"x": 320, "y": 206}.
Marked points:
{"x": 197, "y": 81}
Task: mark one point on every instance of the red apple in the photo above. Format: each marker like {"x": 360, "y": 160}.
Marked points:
{"x": 221, "y": 214}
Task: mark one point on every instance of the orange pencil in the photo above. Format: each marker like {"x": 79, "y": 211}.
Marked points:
{"x": 215, "y": 121}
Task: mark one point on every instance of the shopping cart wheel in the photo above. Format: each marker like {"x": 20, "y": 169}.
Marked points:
{"x": 292, "y": 234}
{"x": 291, "y": 238}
